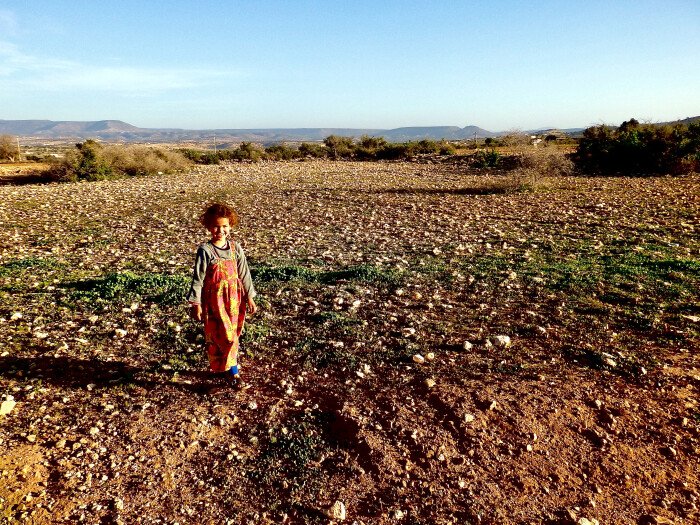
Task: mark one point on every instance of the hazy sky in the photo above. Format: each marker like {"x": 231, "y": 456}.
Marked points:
{"x": 364, "y": 64}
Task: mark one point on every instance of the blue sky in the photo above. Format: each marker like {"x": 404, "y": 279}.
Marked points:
{"x": 363, "y": 64}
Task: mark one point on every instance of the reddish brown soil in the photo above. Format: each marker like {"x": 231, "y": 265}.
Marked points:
{"x": 590, "y": 414}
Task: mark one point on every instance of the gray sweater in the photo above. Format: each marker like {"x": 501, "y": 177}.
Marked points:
{"x": 205, "y": 254}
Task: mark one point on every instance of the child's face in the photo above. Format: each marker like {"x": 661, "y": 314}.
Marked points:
{"x": 220, "y": 229}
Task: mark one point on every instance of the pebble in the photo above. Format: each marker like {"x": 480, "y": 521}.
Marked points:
{"x": 6, "y": 407}
{"x": 502, "y": 341}
{"x": 398, "y": 514}
{"x": 468, "y": 418}
{"x": 430, "y": 383}
{"x": 16, "y": 316}
{"x": 430, "y": 356}
{"x": 587, "y": 521}
{"x": 467, "y": 345}
{"x": 669, "y": 451}
{"x": 337, "y": 511}
{"x": 417, "y": 358}
{"x": 252, "y": 405}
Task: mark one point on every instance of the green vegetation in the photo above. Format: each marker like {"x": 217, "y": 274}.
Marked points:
{"x": 93, "y": 161}
{"x": 160, "y": 289}
{"x": 640, "y": 149}
{"x": 264, "y": 274}
{"x": 487, "y": 159}
{"x": 333, "y": 147}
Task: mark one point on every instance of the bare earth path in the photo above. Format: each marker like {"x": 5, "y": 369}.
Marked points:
{"x": 589, "y": 412}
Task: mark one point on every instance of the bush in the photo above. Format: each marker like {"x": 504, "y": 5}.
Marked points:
{"x": 316, "y": 151}
{"x": 486, "y": 159}
{"x": 92, "y": 161}
{"x": 8, "y": 148}
{"x": 639, "y": 149}
{"x": 282, "y": 152}
{"x": 339, "y": 147}
{"x": 246, "y": 151}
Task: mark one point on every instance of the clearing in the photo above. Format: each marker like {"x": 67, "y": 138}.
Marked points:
{"x": 589, "y": 413}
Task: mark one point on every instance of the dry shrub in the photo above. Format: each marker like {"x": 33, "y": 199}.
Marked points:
{"x": 545, "y": 161}
{"x": 93, "y": 161}
{"x": 143, "y": 160}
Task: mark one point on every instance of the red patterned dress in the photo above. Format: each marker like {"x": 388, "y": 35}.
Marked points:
{"x": 222, "y": 286}
{"x": 223, "y": 313}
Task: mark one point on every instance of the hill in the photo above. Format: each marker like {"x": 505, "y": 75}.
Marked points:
{"x": 118, "y": 131}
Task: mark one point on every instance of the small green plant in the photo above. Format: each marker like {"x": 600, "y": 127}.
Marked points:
{"x": 486, "y": 159}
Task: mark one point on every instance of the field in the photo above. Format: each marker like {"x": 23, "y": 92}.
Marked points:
{"x": 563, "y": 316}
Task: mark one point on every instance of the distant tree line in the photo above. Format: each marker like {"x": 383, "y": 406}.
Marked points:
{"x": 639, "y": 149}
{"x": 333, "y": 147}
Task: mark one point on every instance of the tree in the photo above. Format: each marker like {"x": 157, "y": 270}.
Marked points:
{"x": 8, "y": 148}
{"x": 339, "y": 147}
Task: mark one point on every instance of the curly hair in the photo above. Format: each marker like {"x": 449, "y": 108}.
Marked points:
{"x": 218, "y": 210}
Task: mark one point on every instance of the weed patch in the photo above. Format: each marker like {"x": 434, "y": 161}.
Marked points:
{"x": 161, "y": 289}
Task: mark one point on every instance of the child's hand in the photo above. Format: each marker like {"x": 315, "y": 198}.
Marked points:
{"x": 252, "y": 307}
{"x": 196, "y": 312}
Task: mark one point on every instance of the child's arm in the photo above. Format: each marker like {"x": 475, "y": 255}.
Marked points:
{"x": 194, "y": 296}
{"x": 246, "y": 279}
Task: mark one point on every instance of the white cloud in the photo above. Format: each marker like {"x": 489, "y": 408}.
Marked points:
{"x": 47, "y": 74}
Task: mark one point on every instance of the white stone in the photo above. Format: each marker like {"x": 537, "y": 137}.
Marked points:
{"x": 6, "y": 407}
{"x": 502, "y": 341}
{"x": 337, "y": 511}
{"x": 417, "y": 358}
{"x": 467, "y": 345}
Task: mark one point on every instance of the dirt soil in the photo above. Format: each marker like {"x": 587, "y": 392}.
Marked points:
{"x": 585, "y": 411}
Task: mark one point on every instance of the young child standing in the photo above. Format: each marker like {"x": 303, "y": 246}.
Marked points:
{"x": 221, "y": 292}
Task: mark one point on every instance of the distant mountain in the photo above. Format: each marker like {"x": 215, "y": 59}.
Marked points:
{"x": 118, "y": 131}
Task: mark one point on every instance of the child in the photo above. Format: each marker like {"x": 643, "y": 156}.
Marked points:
{"x": 221, "y": 292}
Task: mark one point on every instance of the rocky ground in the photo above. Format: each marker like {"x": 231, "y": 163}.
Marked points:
{"x": 432, "y": 346}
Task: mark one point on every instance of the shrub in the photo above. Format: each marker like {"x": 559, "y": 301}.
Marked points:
{"x": 8, "y": 148}
{"x": 486, "y": 159}
{"x": 339, "y": 147}
{"x": 246, "y": 151}
{"x": 639, "y": 149}
{"x": 316, "y": 151}
{"x": 282, "y": 152}
{"x": 91, "y": 161}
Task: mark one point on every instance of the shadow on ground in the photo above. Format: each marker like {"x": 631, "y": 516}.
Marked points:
{"x": 69, "y": 372}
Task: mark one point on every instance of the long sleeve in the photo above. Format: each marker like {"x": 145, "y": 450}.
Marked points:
{"x": 198, "y": 273}
{"x": 244, "y": 272}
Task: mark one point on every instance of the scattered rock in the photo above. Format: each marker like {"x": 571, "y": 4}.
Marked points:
{"x": 587, "y": 521}
{"x": 501, "y": 341}
{"x": 16, "y": 316}
{"x": 430, "y": 356}
{"x": 669, "y": 452}
{"x": 417, "y": 358}
{"x": 468, "y": 418}
{"x": 398, "y": 514}
{"x": 337, "y": 511}
{"x": 430, "y": 383}
{"x": 467, "y": 345}
{"x": 6, "y": 407}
